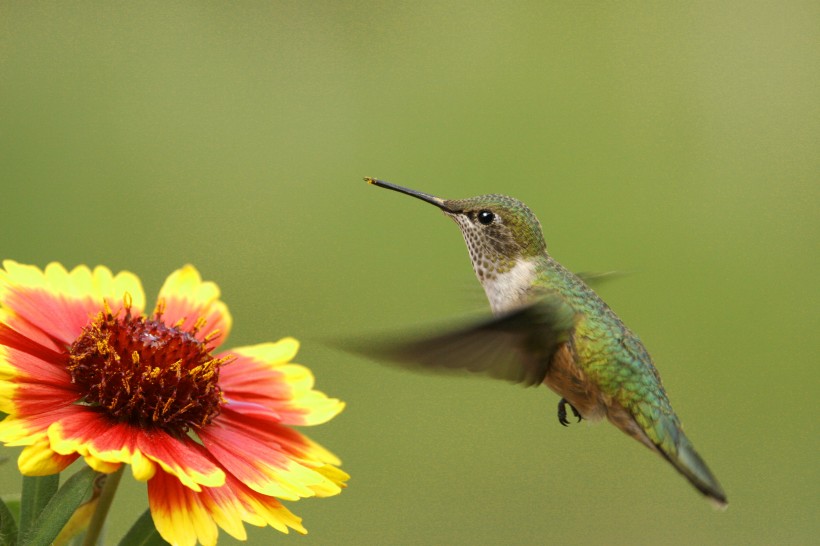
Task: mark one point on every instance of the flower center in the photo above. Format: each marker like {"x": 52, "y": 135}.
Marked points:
{"x": 141, "y": 371}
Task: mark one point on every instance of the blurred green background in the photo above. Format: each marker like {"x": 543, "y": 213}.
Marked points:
{"x": 675, "y": 141}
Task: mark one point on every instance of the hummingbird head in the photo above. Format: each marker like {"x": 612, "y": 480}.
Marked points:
{"x": 500, "y": 231}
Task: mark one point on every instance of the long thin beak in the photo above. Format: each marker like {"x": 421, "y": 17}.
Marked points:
{"x": 433, "y": 200}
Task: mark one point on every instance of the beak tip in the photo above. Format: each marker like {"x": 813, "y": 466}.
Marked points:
{"x": 437, "y": 201}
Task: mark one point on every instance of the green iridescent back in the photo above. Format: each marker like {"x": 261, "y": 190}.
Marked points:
{"x": 613, "y": 356}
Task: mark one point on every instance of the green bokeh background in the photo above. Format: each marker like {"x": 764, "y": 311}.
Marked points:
{"x": 674, "y": 141}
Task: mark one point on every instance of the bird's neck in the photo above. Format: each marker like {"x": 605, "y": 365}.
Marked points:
{"x": 510, "y": 288}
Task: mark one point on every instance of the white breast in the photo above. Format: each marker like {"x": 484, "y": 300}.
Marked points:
{"x": 510, "y": 289}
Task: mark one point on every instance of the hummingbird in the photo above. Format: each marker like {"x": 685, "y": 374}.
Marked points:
{"x": 548, "y": 326}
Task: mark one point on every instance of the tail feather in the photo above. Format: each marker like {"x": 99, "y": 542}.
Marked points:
{"x": 687, "y": 461}
{"x": 671, "y": 442}
{"x": 662, "y": 433}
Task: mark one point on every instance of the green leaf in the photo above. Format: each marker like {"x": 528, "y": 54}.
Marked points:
{"x": 37, "y": 491}
{"x": 13, "y": 504}
{"x": 143, "y": 533}
{"x": 8, "y": 527}
{"x": 59, "y": 509}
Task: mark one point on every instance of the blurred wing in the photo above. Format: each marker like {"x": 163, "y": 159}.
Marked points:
{"x": 516, "y": 347}
{"x": 597, "y": 278}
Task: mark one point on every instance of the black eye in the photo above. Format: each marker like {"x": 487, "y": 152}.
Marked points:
{"x": 486, "y": 217}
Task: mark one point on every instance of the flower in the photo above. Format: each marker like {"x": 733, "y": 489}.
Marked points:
{"x": 84, "y": 372}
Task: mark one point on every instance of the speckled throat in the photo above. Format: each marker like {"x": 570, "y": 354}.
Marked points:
{"x": 505, "y": 276}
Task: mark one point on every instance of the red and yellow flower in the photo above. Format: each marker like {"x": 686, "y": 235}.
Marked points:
{"x": 85, "y": 372}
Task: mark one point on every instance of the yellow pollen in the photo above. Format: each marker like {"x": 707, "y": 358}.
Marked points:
{"x": 126, "y": 301}
{"x": 159, "y": 310}
{"x": 198, "y": 325}
{"x": 167, "y": 406}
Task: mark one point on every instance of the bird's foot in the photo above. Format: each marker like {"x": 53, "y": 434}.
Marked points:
{"x": 562, "y": 412}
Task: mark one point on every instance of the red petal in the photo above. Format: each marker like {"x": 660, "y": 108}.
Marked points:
{"x": 31, "y": 399}
{"x": 288, "y": 440}
{"x": 275, "y": 461}
{"x": 15, "y": 340}
{"x": 61, "y": 317}
{"x": 285, "y": 388}
{"x": 25, "y": 429}
{"x": 32, "y": 332}
{"x": 90, "y": 433}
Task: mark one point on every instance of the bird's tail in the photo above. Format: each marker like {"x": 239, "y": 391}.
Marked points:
{"x": 687, "y": 461}
{"x": 663, "y": 434}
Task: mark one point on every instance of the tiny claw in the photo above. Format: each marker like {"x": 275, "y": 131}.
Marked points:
{"x": 576, "y": 414}
{"x": 562, "y": 412}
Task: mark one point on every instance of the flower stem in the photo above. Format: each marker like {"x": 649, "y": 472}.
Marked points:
{"x": 106, "y": 496}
